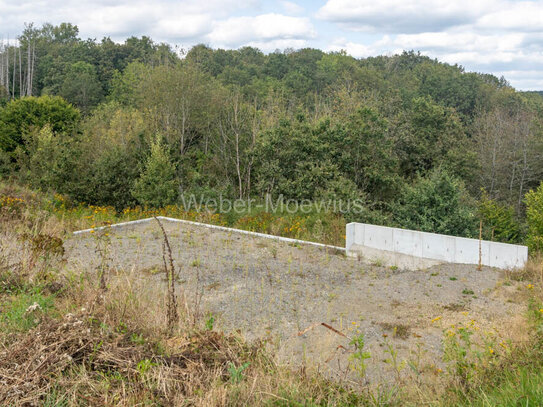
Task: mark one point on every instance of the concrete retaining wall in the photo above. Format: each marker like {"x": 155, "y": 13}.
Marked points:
{"x": 420, "y": 249}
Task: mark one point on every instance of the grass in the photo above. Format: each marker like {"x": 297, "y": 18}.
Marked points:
{"x": 23, "y": 311}
{"x": 521, "y": 387}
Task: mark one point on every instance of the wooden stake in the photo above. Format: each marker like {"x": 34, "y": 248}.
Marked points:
{"x": 480, "y": 267}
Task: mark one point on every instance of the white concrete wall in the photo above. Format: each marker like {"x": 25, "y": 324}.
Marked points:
{"x": 433, "y": 246}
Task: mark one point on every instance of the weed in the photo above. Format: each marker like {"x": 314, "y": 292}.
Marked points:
{"x": 103, "y": 247}
{"x": 392, "y": 360}
{"x": 210, "y": 321}
{"x": 236, "y": 373}
{"x": 144, "y": 366}
{"x": 377, "y": 263}
{"x": 137, "y": 339}
{"x": 172, "y": 315}
{"x": 358, "y": 358}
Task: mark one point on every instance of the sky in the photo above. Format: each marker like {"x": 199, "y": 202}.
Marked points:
{"x": 502, "y": 37}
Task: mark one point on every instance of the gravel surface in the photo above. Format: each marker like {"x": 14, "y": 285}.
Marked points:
{"x": 267, "y": 288}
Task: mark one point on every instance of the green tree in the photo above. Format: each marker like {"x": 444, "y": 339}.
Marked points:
{"x": 534, "y": 218}
{"x": 21, "y": 115}
{"x": 499, "y": 222}
{"x": 112, "y": 146}
{"x": 81, "y": 86}
{"x": 363, "y": 150}
{"x": 434, "y": 133}
{"x": 157, "y": 185}
{"x": 438, "y": 204}
{"x": 110, "y": 179}
{"x": 294, "y": 160}
{"x": 50, "y": 161}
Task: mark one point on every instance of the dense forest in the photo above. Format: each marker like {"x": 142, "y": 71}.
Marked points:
{"x": 422, "y": 144}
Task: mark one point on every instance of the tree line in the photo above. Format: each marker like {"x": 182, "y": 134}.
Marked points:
{"x": 423, "y": 144}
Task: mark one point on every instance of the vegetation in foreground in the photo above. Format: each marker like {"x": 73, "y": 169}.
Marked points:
{"x": 68, "y": 339}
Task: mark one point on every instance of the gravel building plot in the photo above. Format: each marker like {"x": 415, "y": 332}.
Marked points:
{"x": 267, "y": 288}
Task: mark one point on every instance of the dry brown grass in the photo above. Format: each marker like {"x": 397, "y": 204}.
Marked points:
{"x": 79, "y": 356}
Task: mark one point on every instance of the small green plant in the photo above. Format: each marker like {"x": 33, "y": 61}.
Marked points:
{"x": 392, "y": 360}
{"x": 236, "y": 373}
{"x": 466, "y": 291}
{"x": 137, "y": 339}
{"x": 467, "y": 358}
{"x": 358, "y": 358}
{"x": 210, "y": 321}
{"x": 458, "y": 352}
{"x": 377, "y": 263}
{"x": 144, "y": 366}
{"x": 453, "y": 278}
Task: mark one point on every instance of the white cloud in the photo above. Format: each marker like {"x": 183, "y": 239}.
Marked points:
{"x": 523, "y": 79}
{"x": 403, "y": 15}
{"x": 270, "y": 46}
{"x": 237, "y": 31}
{"x": 503, "y": 36}
{"x": 459, "y": 40}
{"x": 291, "y": 8}
{"x": 519, "y": 16}
{"x": 354, "y": 49}
{"x": 165, "y": 20}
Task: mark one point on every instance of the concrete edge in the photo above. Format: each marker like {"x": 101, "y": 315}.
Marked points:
{"x": 222, "y": 228}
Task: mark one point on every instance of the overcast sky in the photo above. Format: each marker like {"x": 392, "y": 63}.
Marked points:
{"x": 503, "y": 37}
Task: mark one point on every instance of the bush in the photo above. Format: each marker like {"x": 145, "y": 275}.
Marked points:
{"x": 157, "y": 185}
{"x": 436, "y": 204}
{"x": 534, "y": 218}
{"x": 21, "y": 115}
{"x": 499, "y": 221}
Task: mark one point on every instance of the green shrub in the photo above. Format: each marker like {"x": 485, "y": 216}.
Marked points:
{"x": 157, "y": 185}
{"x": 436, "y": 204}
{"x": 21, "y": 115}
{"x": 534, "y": 218}
{"x": 499, "y": 221}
